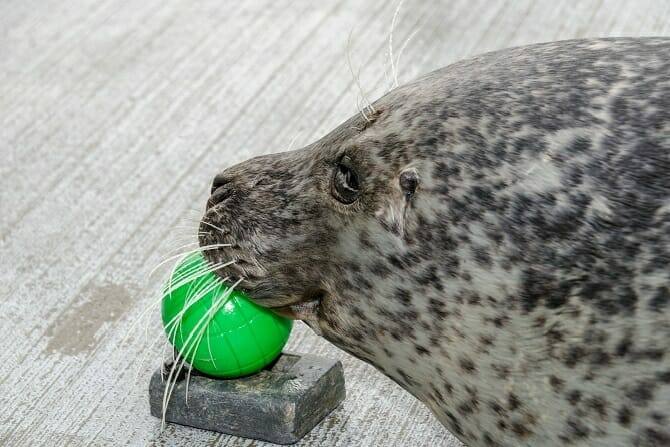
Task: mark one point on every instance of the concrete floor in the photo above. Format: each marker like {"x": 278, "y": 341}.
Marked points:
{"x": 114, "y": 116}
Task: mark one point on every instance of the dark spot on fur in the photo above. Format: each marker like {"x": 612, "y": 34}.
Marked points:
{"x": 658, "y": 417}
{"x": 406, "y": 378}
{"x": 486, "y": 340}
{"x": 624, "y": 345}
{"x": 660, "y": 300}
{"x": 421, "y": 350}
{"x": 454, "y": 424}
{"x": 575, "y": 429}
{"x": 642, "y": 392}
{"x": 465, "y": 408}
{"x": 448, "y": 387}
{"x": 580, "y": 145}
{"x": 573, "y": 355}
{"x": 521, "y": 430}
{"x": 513, "y": 402}
{"x": 573, "y": 397}
{"x": 599, "y": 405}
{"x": 481, "y": 256}
{"x": 502, "y": 370}
{"x": 404, "y": 296}
{"x": 489, "y": 441}
{"x": 437, "y": 309}
{"x": 467, "y": 365}
{"x": 556, "y": 383}
{"x": 497, "y": 408}
{"x": 653, "y": 437}
{"x": 380, "y": 269}
{"x": 625, "y": 416}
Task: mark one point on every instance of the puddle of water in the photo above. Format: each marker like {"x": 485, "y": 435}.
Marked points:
{"x": 75, "y": 330}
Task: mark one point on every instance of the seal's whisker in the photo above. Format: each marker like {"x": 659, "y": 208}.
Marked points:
{"x": 176, "y": 250}
{"x": 402, "y": 50}
{"x": 394, "y": 71}
{"x": 190, "y": 300}
{"x": 180, "y": 258}
{"x": 188, "y": 292}
{"x": 183, "y": 280}
{"x": 292, "y": 143}
{"x": 197, "y": 221}
{"x": 183, "y": 255}
{"x": 170, "y": 332}
{"x": 361, "y": 110}
{"x": 179, "y": 239}
{"x": 190, "y": 230}
{"x": 187, "y": 350}
{"x": 357, "y": 80}
{"x": 190, "y": 234}
{"x": 213, "y": 226}
{"x": 172, "y": 246}
{"x": 189, "y": 244}
{"x": 193, "y": 274}
{"x": 215, "y": 308}
{"x": 143, "y": 359}
{"x": 191, "y": 347}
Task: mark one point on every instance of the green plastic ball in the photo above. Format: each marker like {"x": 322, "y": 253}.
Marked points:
{"x": 219, "y": 333}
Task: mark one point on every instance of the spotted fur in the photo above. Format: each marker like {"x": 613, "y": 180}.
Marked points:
{"x": 522, "y": 289}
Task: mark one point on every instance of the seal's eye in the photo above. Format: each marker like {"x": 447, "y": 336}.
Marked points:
{"x": 345, "y": 182}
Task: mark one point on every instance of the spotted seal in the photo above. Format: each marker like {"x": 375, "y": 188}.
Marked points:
{"x": 494, "y": 237}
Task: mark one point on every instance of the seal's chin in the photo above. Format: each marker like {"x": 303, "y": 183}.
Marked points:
{"x": 298, "y": 311}
{"x": 307, "y": 311}
{"x": 304, "y": 307}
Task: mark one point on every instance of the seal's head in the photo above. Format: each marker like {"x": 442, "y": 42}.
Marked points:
{"x": 305, "y": 226}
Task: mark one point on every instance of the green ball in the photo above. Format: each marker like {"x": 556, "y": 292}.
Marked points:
{"x": 219, "y": 333}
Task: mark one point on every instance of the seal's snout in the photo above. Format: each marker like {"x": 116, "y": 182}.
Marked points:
{"x": 259, "y": 215}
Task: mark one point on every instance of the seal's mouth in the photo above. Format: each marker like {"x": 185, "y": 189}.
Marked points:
{"x": 237, "y": 260}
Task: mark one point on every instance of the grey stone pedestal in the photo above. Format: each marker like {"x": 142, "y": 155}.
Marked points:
{"x": 280, "y": 404}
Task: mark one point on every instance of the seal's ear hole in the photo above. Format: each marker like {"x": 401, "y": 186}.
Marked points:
{"x": 409, "y": 182}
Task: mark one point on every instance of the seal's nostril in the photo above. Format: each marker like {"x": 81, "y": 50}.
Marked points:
{"x": 219, "y": 181}
{"x": 222, "y": 189}
{"x": 220, "y": 194}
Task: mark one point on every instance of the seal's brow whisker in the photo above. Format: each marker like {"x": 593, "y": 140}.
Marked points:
{"x": 394, "y": 71}
{"x": 293, "y": 140}
{"x": 357, "y": 80}
{"x": 402, "y": 50}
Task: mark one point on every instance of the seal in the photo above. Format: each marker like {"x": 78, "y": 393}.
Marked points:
{"x": 494, "y": 237}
